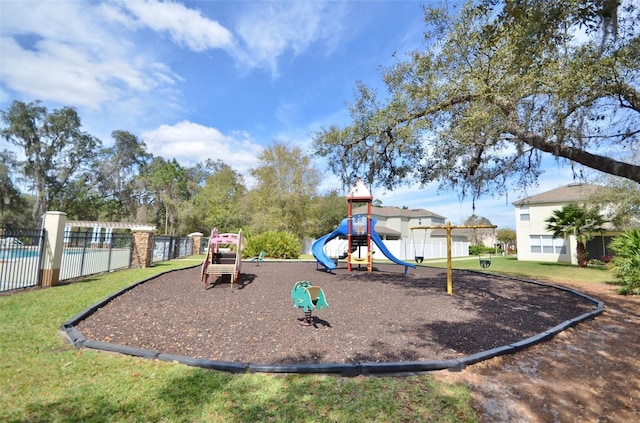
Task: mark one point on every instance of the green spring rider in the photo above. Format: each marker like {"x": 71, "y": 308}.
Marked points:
{"x": 308, "y": 297}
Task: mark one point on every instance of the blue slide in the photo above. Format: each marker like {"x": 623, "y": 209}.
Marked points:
{"x": 383, "y": 249}
{"x": 317, "y": 249}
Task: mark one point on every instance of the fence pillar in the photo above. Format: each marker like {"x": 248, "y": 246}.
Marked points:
{"x": 196, "y": 242}
{"x": 142, "y": 248}
{"x": 54, "y": 222}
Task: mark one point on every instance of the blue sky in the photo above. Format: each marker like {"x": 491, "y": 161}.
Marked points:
{"x": 201, "y": 80}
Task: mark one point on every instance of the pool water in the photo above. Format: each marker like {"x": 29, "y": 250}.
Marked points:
{"x": 15, "y": 253}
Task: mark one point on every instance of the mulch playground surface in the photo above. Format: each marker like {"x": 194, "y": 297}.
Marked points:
{"x": 383, "y": 316}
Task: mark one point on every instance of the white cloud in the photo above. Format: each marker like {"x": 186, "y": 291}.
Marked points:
{"x": 68, "y": 53}
{"x": 68, "y": 22}
{"x": 269, "y": 29}
{"x": 59, "y": 72}
{"x": 186, "y": 26}
{"x": 190, "y": 143}
{"x": 99, "y": 55}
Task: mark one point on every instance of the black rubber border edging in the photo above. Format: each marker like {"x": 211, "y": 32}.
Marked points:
{"x": 343, "y": 369}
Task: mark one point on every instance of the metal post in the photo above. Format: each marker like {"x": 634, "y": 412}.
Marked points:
{"x": 449, "y": 261}
{"x": 369, "y": 254}
{"x": 349, "y": 229}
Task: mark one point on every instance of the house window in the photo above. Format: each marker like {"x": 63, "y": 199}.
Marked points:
{"x": 525, "y": 216}
{"x": 535, "y": 244}
{"x": 547, "y": 244}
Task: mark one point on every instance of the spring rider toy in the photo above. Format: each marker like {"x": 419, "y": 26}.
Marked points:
{"x": 308, "y": 296}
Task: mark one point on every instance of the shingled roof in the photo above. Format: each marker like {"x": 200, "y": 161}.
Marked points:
{"x": 390, "y": 211}
{"x": 572, "y": 193}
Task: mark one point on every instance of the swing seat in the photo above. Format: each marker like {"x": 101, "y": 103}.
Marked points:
{"x": 418, "y": 257}
{"x": 485, "y": 262}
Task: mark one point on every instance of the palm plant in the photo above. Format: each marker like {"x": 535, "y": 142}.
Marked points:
{"x": 626, "y": 261}
{"x": 577, "y": 220}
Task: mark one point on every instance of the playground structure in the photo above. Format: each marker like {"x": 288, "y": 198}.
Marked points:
{"x": 224, "y": 256}
{"x": 308, "y": 297}
{"x": 484, "y": 262}
{"x": 360, "y": 231}
{"x": 359, "y": 228}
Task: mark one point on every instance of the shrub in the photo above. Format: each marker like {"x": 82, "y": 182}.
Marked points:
{"x": 277, "y": 244}
{"x": 625, "y": 263}
{"x": 475, "y": 250}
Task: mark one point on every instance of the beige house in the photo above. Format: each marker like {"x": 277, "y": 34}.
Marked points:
{"x": 535, "y": 243}
{"x": 394, "y": 227}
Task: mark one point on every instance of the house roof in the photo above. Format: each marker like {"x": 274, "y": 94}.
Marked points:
{"x": 576, "y": 192}
{"x": 383, "y": 230}
{"x": 390, "y": 211}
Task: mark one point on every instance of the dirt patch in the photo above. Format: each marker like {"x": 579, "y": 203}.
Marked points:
{"x": 589, "y": 373}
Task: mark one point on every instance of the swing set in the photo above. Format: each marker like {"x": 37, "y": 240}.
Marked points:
{"x": 485, "y": 260}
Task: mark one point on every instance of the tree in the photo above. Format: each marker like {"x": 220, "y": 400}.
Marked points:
{"x": 118, "y": 169}
{"x": 286, "y": 183}
{"x": 621, "y": 199}
{"x": 328, "y": 210}
{"x": 506, "y": 237}
{"x": 580, "y": 221}
{"x": 626, "y": 261}
{"x": 167, "y": 191}
{"x": 494, "y": 90}
{"x": 80, "y": 200}
{"x": 12, "y": 203}
{"x": 479, "y": 235}
{"x": 203, "y": 170}
{"x": 219, "y": 204}
{"x": 54, "y": 147}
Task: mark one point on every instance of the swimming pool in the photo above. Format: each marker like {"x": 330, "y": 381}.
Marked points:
{"x": 28, "y": 252}
{"x": 17, "y": 253}
{"x": 20, "y": 267}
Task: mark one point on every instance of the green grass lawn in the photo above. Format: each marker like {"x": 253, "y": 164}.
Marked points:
{"x": 539, "y": 271}
{"x": 44, "y": 379}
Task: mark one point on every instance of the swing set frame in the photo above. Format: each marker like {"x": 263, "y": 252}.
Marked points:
{"x": 448, "y": 227}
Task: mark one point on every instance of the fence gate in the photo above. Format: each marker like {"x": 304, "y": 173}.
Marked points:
{"x": 167, "y": 247}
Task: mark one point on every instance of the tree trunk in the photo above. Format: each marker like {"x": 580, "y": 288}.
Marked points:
{"x": 583, "y": 257}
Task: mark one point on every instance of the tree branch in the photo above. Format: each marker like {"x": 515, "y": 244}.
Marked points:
{"x": 594, "y": 161}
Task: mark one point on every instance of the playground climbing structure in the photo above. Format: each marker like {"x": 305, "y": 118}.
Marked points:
{"x": 224, "y": 257}
{"x": 360, "y": 232}
{"x": 359, "y": 227}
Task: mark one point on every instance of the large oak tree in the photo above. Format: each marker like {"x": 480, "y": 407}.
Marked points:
{"x": 55, "y": 152}
{"x": 118, "y": 176}
{"x": 498, "y": 85}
